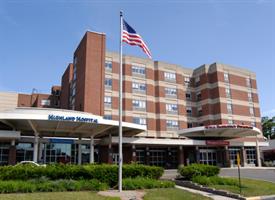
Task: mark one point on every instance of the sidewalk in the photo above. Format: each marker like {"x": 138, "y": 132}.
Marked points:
{"x": 207, "y": 194}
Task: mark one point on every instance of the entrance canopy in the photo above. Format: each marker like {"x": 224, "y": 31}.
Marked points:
{"x": 220, "y": 131}
{"x": 62, "y": 123}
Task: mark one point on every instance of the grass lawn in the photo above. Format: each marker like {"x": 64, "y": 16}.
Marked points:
{"x": 250, "y": 188}
{"x": 56, "y": 196}
{"x": 172, "y": 194}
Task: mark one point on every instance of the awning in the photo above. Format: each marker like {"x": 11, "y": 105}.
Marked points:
{"x": 62, "y": 123}
{"x": 220, "y": 131}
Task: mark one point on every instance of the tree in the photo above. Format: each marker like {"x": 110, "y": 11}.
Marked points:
{"x": 268, "y": 126}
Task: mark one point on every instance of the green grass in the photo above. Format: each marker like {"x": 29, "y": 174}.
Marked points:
{"x": 56, "y": 196}
{"x": 250, "y": 188}
{"x": 172, "y": 194}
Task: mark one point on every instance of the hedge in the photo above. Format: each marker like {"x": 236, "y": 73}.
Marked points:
{"x": 19, "y": 186}
{"x": 145, "y": 183}
{"x": 215, "y": 180}
{"x": 193, "y": 170}
{"x": 103, "y": 173}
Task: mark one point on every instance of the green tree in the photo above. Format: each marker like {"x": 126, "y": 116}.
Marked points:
{"x": 268, "y": 126}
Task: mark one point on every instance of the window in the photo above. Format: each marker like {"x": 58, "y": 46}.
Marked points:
{"x": 108, "y": 101}
{"x": 139, "y": 87}
{"x": 108, "y": 82}
{"x": 170, "y": 91}
{"x": 171, "y": 108}
{"x": 249, "y": 94}
{"x": 227, "y": 92}
{"x": 45, "y": 102}
{"x": 199, "y": 111}
{"x": 229, "y": 107}
{"x": 253, "y": 124}
{"x": 187, "y": 80}
{"x": 139, "y": 104}
{"x": 251, "y": 110}
{"x": 198, "y": 96}
{"x": 189, "y": 111}
{"x": 197, "y": 81}
{"x": 108, "y": 117}
{"x": 250, "y": 155}
{"x": 226, "y": 77}
{"x": 138, "y": 70}
{"x": 74, "y": 72}
{"x": 248, "y": 83}
{"x": 139, "y": 120}
{"x": 189, "y": 125}
{"x": 188, "y": 96}
{"x": 171, "y": 76}
{"x": 108, "y": 65}
{"x": 230, "y": 120}
{"x": 172, "y": 124}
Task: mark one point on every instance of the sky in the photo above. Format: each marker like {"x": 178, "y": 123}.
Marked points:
{"x": 38, "y": 38}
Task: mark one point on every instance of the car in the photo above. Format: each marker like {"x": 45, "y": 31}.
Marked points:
{"x": 28, "y": 162}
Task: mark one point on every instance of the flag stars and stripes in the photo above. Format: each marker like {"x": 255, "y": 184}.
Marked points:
{"x": 130, "y": 36}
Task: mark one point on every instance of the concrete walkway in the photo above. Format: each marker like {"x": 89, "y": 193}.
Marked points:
{"x": 124, "y": 195}
{"x": 207, "y": 194}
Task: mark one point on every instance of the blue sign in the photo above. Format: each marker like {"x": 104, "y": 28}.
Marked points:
{"x": 63, "y": 141}
{"x": 72, "y": 118}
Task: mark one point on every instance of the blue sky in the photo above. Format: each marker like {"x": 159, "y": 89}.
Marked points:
{"x": 38, "y": 38}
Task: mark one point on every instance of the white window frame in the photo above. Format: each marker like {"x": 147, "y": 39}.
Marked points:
{"x": 45, "y": 102}
{"x": 170, "y": 76}
{"x": 139, "y": 104}
{"x": 172, "y": 124}
{"x": 226, "y": 77}
{"x": 108, "y": 65}
{"x": 138, "y": 70}
{"x": 139, "y": 87}
{"x": 171, "y": 108}
{"x": 170, "y": 91}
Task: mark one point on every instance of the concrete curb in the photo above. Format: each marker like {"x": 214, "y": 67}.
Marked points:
{"x": 196, "y": 186}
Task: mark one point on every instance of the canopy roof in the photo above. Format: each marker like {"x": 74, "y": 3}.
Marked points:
{"x": 220, "y": 131}
{"x": 62, "y": 123}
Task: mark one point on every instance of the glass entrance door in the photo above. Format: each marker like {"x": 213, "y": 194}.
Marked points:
{"x": 208, "y": 156}
{"x": 233, "y": 156}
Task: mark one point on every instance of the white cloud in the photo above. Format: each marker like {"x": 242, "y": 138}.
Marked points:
{"x": 269, "y": 113}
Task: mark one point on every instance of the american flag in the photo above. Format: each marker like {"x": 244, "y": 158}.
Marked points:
{"x": 130, "y": 36}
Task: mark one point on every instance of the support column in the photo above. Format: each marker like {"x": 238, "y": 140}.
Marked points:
{"x": 79, "y": 160}
{"x": 40, "y": 146}
{"x": 147, "y": 156}
{"x": 258, "y": 155}
{"x": 181, "y": 155}
{"x": 197, "y": 154}
{"x": 35, "y": 147}
{"x": 92, "y": 150}
{"x": 227, "y": 162}
{"x": 110, "y": 152}
{"x": 243, "y": 157}
{"x": 134, "y": 155}
{"x": 12, "y": 154}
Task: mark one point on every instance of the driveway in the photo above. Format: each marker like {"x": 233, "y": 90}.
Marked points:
{"x": 266, "y": 174}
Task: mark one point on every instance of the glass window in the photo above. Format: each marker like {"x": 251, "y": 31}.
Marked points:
{"x": 188, "y": 96}
{"x": 250, "y": 155}
{"x": 227, "y": 92}
{"x": 189, "y": 125}
{"x": 138, "y": 70}
{"x": 251, "y": 110}
{"x": 226, "y": 77}
{"x": 45, "y": 102}
{"x": 108, "y": 101}
{"x": 139, "y": 120}
{"x": 170, "y": 91}
{"x": 139, "y": 104}
{"x": 170, "y": 76}
{"x": 248, "y": 82}
{"x": 230, "y": 121}
{"x": 197, "y": 80}
{"x": 139, "y": 87}
{"x": 229, "y": 107}
{"x": 108, "y": 65}
{"x": 172, "y": 124}
{"x": 198, "y": 96}
{"x": 109, "y": 117}
{"x": 140, "y": 156}
{"x": 253, "y": 124}
{"x": 189, "y": 111}
{"x": 108, "y": 82}
{"x": 249, "y": 94}
{"x": 171, "y": 108}
{"x": 187, "y": 80}
{"x": 199, "y": 111}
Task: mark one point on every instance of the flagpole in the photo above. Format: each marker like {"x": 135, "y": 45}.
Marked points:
{"x": 120, "y": 110}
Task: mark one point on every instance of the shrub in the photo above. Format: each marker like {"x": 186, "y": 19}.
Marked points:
{"x": 214, "y": 180}
{"x": 194, "y": 170}
{"x": 103, "y": 173}
{"x": 145, "y": 183}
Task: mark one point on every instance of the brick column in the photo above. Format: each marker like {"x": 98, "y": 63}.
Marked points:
{"x": 12, "y": 154}
{"x": 197, "y": 151}
{"x": 181, "y": 155}
{"x": 134, "y": 156}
